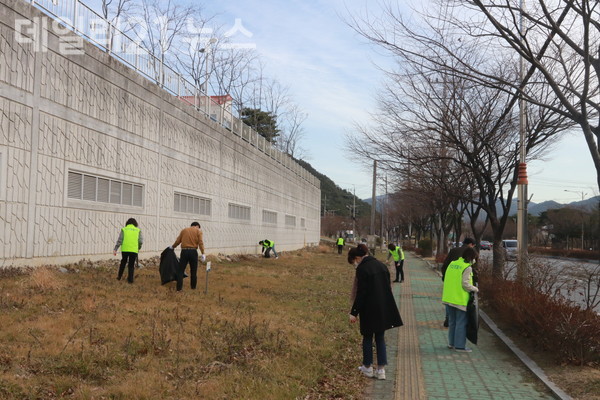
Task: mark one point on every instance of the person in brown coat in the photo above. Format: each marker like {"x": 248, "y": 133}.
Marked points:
{"x": 374, "y": 303}
{"x": 190, "y": 240}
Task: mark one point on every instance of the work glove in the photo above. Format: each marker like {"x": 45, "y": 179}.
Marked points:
{"x": 203, "y": 258}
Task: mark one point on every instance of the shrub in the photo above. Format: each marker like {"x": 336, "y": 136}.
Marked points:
{"x": 570, "y": 333}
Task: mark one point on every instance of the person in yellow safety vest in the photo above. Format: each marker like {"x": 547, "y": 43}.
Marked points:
{"x": 130, "y": 240}
{"x": 340, "y": 244}
{"x": 398, "y": 255}
{"x": 267, "y": 246}
{"x": 458, "y": 284}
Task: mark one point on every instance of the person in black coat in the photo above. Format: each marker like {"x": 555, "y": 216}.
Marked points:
{"x": 375, "y": 304}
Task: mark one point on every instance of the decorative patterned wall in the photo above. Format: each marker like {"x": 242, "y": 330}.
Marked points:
{"x": 91, "y": 114}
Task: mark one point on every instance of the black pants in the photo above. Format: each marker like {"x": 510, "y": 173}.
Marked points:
{"x": 188, "y": 256}
{"x": 399, "y": 269}
{"x": 340, "y": 248}
{"x": 268, "y": 252}
{"x": 129, "y": 259}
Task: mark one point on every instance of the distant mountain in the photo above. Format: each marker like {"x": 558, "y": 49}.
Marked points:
{"x": 534, "y": 209}
{"x": 537, "y": 209}
{"x": 379, "y": 198}
{"x": 335, "y": 200}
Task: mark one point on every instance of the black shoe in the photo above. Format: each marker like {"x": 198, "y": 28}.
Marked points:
{"x": 396, "y": 280}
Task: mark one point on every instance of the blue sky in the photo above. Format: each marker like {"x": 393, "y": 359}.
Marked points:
{"x": 332, "y": 76}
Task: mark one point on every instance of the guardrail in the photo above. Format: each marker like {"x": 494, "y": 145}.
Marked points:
{"x": 82, "y": 20}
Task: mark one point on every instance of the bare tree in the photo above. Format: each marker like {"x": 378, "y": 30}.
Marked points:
{"x": 196, "y": 50}
{"x": 292, "y": 131}
{"x": 560, "y": 41}
{"x": 233, "y": 73}
{"x": 113, "y": 11}
{"x": 434, "y": 98}
{"x": 159, "y": 29}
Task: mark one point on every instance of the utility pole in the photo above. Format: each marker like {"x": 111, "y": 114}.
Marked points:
{"x": 384, "y": 213}
{"x": 373, "y": 200}
{"x": 522, "y": 259}
{"x": 354, "y": 212}
{"x": 582, "y": 220}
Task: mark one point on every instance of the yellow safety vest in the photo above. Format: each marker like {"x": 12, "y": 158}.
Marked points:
{"x": 453, "y": 290}
{"x": 395, "y": 253}
{"x": 340, "y": 241}
{"x": 131, "y": 236}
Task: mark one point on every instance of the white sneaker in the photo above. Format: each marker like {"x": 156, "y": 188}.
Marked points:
{"x": 381, "y": 374}
{"x": 368, "y": 372}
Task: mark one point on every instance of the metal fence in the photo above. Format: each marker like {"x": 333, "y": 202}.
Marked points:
{"x": 82, "y": 20}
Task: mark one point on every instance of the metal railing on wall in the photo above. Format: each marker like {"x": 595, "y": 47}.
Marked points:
{"x": 82, "y": 20}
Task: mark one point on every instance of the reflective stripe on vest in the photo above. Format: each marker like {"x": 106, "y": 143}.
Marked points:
{"x": 340, "y": 242}
{"x": 453, "y": 290}
{"x": 395, "y": 254}
{"x": 131, "y": 236}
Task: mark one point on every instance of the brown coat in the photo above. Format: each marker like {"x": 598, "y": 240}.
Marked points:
{"x": 190, "y": 238}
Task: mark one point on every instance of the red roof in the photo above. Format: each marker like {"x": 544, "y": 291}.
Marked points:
{"x": 222, "y": 99}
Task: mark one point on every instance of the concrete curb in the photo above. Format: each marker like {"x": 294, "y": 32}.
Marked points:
{"x": 528, "y": 362}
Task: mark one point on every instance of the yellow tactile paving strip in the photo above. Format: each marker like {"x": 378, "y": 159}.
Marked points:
{"x": 410, "y": 383}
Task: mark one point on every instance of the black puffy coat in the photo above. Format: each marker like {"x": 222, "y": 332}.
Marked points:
{"x": 374, "y": 303}
{"x": 168, "y": 266}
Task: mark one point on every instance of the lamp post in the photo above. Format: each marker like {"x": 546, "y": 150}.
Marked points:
{"x": 206, "y": 50}
{"x": 582, "y": 221}
{"x": 204, "y": 88}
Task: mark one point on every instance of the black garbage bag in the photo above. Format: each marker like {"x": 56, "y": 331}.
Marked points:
{"x": 168, "y": 266}
{"x": 472, "y": 318}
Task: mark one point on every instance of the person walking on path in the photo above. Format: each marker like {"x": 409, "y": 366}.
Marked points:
{"x": 267, "y": 246}
{"x": 191, "y": 240}
{"x": 340, "y": 244}
{"x": 398, "y": 255}
{"x": 130, "y": 240}
{"x": 458, "y": 284}
{"x": 453, "y": 255}
{"x": 375, "y": 305}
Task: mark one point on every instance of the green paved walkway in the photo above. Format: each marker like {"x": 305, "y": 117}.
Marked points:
{"x": 422, "y": 367}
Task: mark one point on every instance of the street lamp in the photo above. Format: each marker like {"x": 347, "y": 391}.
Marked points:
{"x": 582, "y": 220}
{"x": 206, "y": 50}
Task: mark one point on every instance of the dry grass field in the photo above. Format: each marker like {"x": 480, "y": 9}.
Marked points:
{"x": 267, "y": 329}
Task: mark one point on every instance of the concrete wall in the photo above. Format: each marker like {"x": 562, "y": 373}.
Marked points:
{"x": 89, "y": 113}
